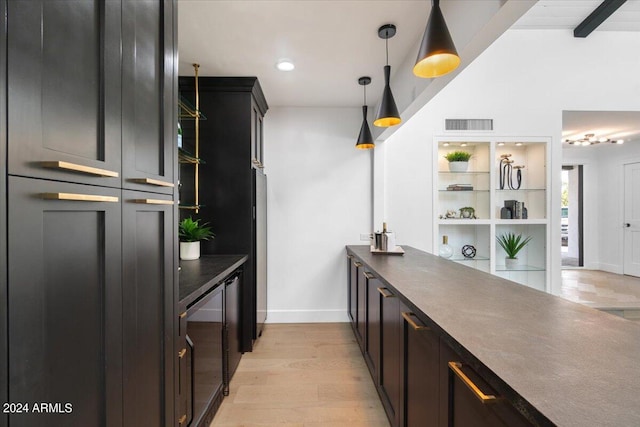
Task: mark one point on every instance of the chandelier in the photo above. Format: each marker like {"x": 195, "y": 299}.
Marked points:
{"x": 590, "y": 139}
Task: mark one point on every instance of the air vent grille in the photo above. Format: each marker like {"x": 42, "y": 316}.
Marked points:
{"x": 468, "y": 124}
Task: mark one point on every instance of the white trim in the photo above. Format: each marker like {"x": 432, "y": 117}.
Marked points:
{"x": 307, "y": 316}
{"x": 611, "y": 268}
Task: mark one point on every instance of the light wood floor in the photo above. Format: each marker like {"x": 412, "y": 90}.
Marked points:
{"x": 615, "y": 293}
{"x": 303, "y": 375}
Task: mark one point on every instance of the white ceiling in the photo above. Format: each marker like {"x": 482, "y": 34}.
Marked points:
{"x": 333, "y": 42}
{"x": 603, "y": 124}
{"x": 567, "y": 14}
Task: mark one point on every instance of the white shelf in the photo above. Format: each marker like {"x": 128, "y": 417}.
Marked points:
{"x": 487, "y": 199}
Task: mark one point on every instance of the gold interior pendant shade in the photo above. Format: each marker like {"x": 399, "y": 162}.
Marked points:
{"x": 437, "y": 55}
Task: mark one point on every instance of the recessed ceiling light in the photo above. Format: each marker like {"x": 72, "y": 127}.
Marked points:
{"x": 464, "y": 144}
{"x": 500, "y": 144}
{"x": 518, "y": 144}
{"x": 620, "y": 141}
{"x": 285, "y": 65}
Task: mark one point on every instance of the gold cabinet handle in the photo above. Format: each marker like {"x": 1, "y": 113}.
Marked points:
{"x": 183, "y": 315}
{"x": 182, "y": 419}
{"x": 369, "y": 275}
{"x": 79, "y": 197}
{"x": 357, "y": 264}
{"x": 155, "y": 182}
{"x": 409, "y": 318}
{"x": 456, "y": 367}
{"x": 350, "y": 256}
{"x": 153, "y": 201}
{"x": 80, "y": 168}
{"x": 386, "y": 293}
{"x": 181, "y": 353}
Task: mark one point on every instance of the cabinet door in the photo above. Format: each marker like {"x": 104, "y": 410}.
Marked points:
{"x": 390, "y": 354}
{"x": 421, "y": 358}
{"x": 469, "y": 400}
{"x": 361, "y": 310}
{"x": 372, "y": 352}
{"x": 64, "y": 90}
{"x": 352, "y": 294}
{"x": 148, "y": 259}
{"x": 232, "y": 327}
{"x": 148, "y": 100}
{"x": 65, "y": 299}
{"x": 183, "y": 382}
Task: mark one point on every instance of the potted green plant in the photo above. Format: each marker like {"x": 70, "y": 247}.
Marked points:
{"x": 191, "y": 233}
{"x": 467, "y": 212}
{"x": 512, "y": 244}
{"x": 458, "y": 161}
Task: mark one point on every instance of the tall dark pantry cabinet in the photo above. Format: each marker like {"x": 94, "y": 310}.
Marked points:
{"x": 233, "y": 185}
{"x": 87, "y": 219}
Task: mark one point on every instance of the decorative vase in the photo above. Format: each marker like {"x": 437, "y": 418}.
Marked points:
{"x": 189, "y": 250}
{"x": 511, "y": 263}
{"x": 458, "y": 166}
{"x": 445, "y": 251}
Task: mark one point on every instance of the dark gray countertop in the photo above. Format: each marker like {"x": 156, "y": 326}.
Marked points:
{"x": 576, "y": 365}
{"x": 199, "y": 276}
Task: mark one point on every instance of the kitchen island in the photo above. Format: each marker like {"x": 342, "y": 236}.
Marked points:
{"x": 553, "y": 361}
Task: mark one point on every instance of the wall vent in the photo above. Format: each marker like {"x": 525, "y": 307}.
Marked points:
{"x": 468, "y": 124}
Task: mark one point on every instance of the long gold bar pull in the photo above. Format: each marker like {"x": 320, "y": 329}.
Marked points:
{"x": 409, "y": 318}
{"x": 155, "y": 182}
{"x": 153, "y": 201}
{"x": 456, "y": 367}
{"x": 386, "y": 293}
{"x": 181, "y": 353}
{"x": 357, "y": 264}
{"x": 369, "y": 275}
{"x": 80, "y": 168}
{"x": 182, "y": 419}
{"x": 79, "y": 197}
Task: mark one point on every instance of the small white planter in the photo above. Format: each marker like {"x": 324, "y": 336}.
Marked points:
{"x": 458, "y": 166}
{"x": 189, "y": 250}
{"x": 511, "y": 263}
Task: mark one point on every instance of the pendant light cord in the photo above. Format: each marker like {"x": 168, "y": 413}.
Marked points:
{"x": 365, "y": 94}
{"x": 386, "y": 44}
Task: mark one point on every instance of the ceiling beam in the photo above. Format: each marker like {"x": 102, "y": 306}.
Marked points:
{"x": 597, "y": 17}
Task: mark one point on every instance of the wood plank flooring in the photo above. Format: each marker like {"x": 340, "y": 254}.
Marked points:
{"x": 302, "y": 375}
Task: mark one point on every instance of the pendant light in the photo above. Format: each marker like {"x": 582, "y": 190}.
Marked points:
{"x": 365, "y": 140}
{"x": 387, "y": 111}
{"x": 437, "y": 55}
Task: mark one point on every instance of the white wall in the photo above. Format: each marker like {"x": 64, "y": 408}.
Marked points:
{"x": 603, "y": 208}
{"x": 523, "y": 81}
{"x": 318, "y": 200}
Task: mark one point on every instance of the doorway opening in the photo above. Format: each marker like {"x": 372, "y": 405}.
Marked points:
{"x": 571, "y": 219}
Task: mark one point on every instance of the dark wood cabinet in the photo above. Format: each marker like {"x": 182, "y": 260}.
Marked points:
{"x": 89, "y": 97}
{"x": 352, "y": 290}
{"x": 469, "y": 400}
{"x": 421, "y": 376}
{"x": 65, "y": 301}
{"x": 234, "y": 198}
{"x": 64, "y": 90}
{"x": 232, "y": 326}
{"x": 421, "y": 379}
{"x": 390, "y": 378}
{"x": 147, "y": 276}
{"x": 148, "y": 98}
{"x": 372, "y": 348}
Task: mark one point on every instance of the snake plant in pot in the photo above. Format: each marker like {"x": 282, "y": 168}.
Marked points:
{"x": 191, "y": 233}
{"x": 512, "y": 244}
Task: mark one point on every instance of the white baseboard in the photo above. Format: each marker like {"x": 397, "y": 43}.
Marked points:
{"x": 307, "y": 316}
{"x": 611, "y": 268}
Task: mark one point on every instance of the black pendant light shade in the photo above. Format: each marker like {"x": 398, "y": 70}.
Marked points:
{"x": 387, "y": 114}
{"x": 365, "y": 140}
{"x": 437, "y": 55}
